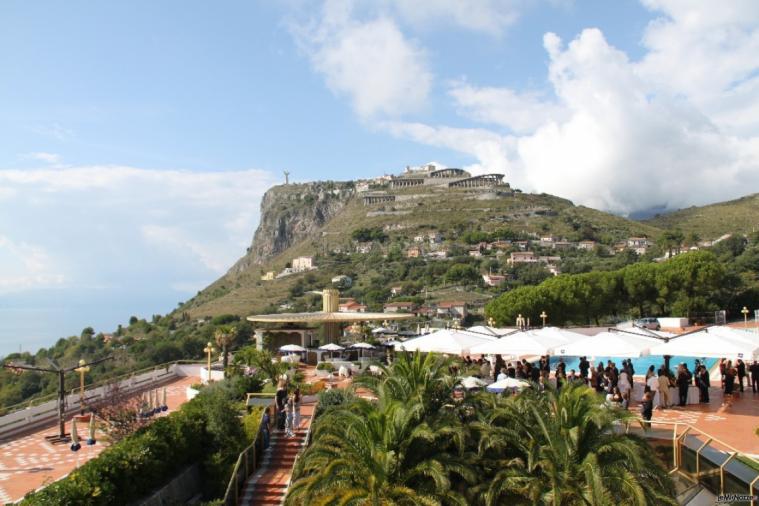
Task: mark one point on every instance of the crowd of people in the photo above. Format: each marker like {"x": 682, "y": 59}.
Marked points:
{"x": 617, "y": 383}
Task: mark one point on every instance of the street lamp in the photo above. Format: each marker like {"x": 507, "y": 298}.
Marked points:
{"x": 745, "y": 316}
{"x": 209, "y": 349}
{"x": 491, "y": 322}
{"x": 82, "y": 370}
{"x": 544, "y": 316}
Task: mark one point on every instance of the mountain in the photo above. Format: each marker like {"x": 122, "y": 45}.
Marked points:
{"x": 364, "y": 229}
{"x": 714, "y": 220}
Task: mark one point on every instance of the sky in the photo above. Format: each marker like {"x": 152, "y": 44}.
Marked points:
{"x": 138, "y": 137}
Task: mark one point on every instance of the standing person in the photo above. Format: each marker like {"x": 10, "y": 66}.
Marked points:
{"x": 652, "y": 380}
{"x": 280, "y": 400}
{"x": 265, "y": 422}
{"x": 624, "y": 384}
{"x": 702, "y": 378}
{"x": 663, "y": 389}
{"x": 683, "y": 382}
{"x": 754, "y": 369}
{"x": 289, "y": 414}
{"x": 600, "y": 378}
{"x": 729, "y": 381}
{"x": 584, "y": 366}
{"x": 722, "y": 370}
{"x": 741, "y": 367}
{"x": 296, "y": 409}
{"x": 647, "y": 406}
{"x": 650, "y": 373}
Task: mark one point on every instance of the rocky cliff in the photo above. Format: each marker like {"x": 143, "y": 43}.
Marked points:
{"x": 289, "y": 214}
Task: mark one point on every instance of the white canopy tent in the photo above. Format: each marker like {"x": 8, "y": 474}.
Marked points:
{"x": 610, "y": 344}
{"x": 491, "y": 331}
{"x": 454, "y": 342}
{"x": 507, "y": 384}
{"x": 710, "y": 343}
{"x": 529, "y": 343}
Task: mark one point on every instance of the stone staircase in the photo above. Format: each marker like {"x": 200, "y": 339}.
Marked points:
{"x": 268, "y": 486}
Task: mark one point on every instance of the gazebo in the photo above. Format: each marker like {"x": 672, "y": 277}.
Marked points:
{"x": 329, "y": 317}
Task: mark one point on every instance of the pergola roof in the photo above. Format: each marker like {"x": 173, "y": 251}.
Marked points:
{"x": 325, "y": 317}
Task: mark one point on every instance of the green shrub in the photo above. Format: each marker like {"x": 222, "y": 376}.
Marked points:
{"x": 325, "y": 366}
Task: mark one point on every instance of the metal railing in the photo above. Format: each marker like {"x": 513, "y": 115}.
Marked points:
{"x": 682, "y": 430}
{"x": 35, "y": 401}
{"x": 248, "y": 462}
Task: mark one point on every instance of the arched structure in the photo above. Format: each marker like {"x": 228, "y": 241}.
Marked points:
{"x": 481, "y": 181}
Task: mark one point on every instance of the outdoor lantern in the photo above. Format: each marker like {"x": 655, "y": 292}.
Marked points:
{"x": 75, "y": 446}
{"x": 91, "y": 440}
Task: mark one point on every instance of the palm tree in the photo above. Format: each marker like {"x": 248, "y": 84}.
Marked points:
{"x": 564, "y": 449}
{"x": 262, "y": 360}
{"x": 225, "y": 335}
{"x": 370, "y": 454}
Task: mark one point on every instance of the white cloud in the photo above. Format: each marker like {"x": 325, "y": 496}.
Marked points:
{"x": 489, "y": 16}
{"x": 708, "y": 52}
{"x": 116, "y": 225}
{"x": 626, "y": 135}
{"x": 519, "y": 112}
{"x": 371, "y": 62}
{"x": 25, "y": 266}
{"x": 52, "y": 158}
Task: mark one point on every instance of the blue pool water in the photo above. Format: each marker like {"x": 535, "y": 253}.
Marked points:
{"x": 641, "y": 365}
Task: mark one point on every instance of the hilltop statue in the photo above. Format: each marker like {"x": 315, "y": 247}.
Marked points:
{"x": 287, "y": 177}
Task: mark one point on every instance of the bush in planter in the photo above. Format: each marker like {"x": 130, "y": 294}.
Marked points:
{"x": 325, "y": 366}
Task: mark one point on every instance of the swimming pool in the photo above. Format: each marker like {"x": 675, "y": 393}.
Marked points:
{"x": 641, "y": 364}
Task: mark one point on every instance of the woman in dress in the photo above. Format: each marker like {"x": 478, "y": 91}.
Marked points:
{"x": 289, "y": 413}
{"x": 296, "y": 409}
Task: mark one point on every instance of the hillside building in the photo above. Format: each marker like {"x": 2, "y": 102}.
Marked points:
{"x": 302, "y": 264}
{"x": 399, "y": 307}
{"x": 268, "y": 276}
{"x": 414, "y": 252}
{"x": 351, "y": 306}
{"x": 493, "y": 279}
{"x": 586, "y": 245}
{"x": 521, "y": 257}
{"x": 452, "y": 309}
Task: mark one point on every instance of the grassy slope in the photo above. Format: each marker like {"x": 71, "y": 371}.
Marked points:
{"x": 712, "y": 221}
{"x": 442, "y": 211}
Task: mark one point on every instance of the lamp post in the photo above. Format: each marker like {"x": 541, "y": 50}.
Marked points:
{"x": 745, "y": 316}
{"x": 82, "y": 370}
{"x": 209, "y": 349}
{"x": 544, "y": 316}
{"x": 491, "y": 322}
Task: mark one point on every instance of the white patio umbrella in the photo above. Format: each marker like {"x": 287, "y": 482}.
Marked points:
{"x": 381, "y": 330}
{"x": 610, "y": 344}
{"x": 709, "y": 345}
{"x": 471, "y": 382}
{"x": 362, "y": 346}
{"x": 507, "y": 384}
{"x": 331, "y": 347}
{"x": 454, "y": 342}
{"x": 733, "y": 333}
{"x": 292, "y": 348}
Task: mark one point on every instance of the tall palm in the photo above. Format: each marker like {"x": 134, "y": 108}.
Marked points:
{"x": 379, "y": 453}
{"x": 564, "y": 449}
{"x": 225, "y": 335}
{"x": 263, "y": 360}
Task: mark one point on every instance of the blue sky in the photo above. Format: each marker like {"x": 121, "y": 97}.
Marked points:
{"x": 138, "y": 137}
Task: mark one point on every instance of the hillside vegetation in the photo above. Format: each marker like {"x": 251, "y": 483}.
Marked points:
{"x": 456, "y": 215}
{"x": 740, "y": 216}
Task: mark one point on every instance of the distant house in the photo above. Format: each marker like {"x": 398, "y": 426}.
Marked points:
{"x": 435, "y": 238}
{"x": 268, "y": 276}
{"x": 399, "y": 307}
{"x": 439, "y": 254}
{"x": 500, "y": 245}
{"x": 342, "y": 281}
{"x": 428, "y": 311}
{"x": 301, "y": 264}
{"x": 476, "y": 253}
{"x": 413, "y": 252}
{"x": 452, "y": 309}
{"x": 107, "y": 338}
{"x": 396, "y": 290}
{"x": 549, "y": 259}
{"x": 562, "y": 245}
{"x": 351, "y": 306}
{"x": 419, "y": 238}
{"x": 522, "y": 245}
{"x": 639, "y": 245}
{"x": 362, "y": 187}
{"x": 586, "y": 245}
{"x": 547, "y": 242}
{"x": 521, "y": 257}
{"x": 493, "y": 279}
{"x": 364, "y": 247}
{"x": 553, "y": 269}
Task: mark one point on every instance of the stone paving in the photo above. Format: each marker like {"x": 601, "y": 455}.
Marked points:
{"x": 30, "y": 462}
